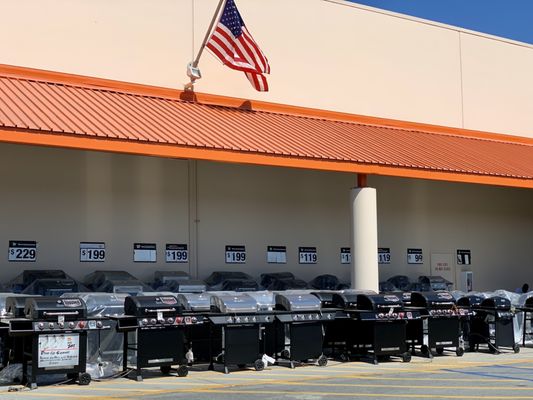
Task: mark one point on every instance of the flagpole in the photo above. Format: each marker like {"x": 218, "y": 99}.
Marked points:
{"x": 206, "y": 38}
{"x": 192, "y": 68}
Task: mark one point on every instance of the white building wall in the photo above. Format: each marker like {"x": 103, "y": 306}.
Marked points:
{"x": 325, "y": 54}
{"x": 62, "y": 197}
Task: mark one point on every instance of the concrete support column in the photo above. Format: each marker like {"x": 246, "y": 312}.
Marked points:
{"x": 364, "y": 238}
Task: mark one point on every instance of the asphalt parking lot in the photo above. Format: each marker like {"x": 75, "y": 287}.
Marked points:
{"x": 473, "y": 376}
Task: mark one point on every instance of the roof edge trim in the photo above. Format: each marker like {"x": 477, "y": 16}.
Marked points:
{"x": 170, "y": 151}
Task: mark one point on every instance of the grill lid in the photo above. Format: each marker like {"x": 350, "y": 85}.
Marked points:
{"x": 150, "y": 306}
{"x": 266, "y": 300}
{"x": 348, "y": 298}
{"x": 470, "y": 301}
{"x": 101, "y": 304}
{"x": 297, "y": 302}
{"x": 496, "y": 303}
{"x": 432, "y": 300}
{"x": 379, "y": 302}
{"x": 195, "y": 301}
{"x": 233, "y": 303}
{"x": 13, "y": 304}
{"x": 50, "y": 308}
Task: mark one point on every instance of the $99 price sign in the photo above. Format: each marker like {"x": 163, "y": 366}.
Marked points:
{"x": 92, "y": 252}
{"x": 22, "y": 250}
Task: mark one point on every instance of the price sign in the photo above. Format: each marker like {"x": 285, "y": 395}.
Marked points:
{"x": 384, "y": 255}
{"x": 235, "y": 254}
{"x": 144, "y": 252}
{"x": 22, "y": 250}
{"x": 464, "y": 257}
{"x": 92, "y": 251}
{"x": 276, "y": 254}
{"x": 346, "y": 255}
{"x": 307, "y": 255}
{"x": 176, "y": 253}
{"x": 414, "y": 256}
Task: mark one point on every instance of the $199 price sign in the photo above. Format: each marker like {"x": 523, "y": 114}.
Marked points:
{"x": 176, "y": 253}
{"x": 92, "y": 251}
{"x": 235, "y": 254}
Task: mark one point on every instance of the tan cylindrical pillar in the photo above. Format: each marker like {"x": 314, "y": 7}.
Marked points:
{"x": 364, "y": 238}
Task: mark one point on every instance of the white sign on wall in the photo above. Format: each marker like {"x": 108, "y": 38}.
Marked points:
{"x": 22, "y": 250}
{"x": 307, "y": 255}
{"x": 414, "y": 256}
{"x": 384, "y": 255}
{"x": 144, "y": 252}
{"x": 346, "y": 255}
{"x": 59, "y": 350}
{"x": 235, "y": 254}
{"x": 276, "y": 254}
{"x": 92, "y": 251}
{"x": 176, "y": 253}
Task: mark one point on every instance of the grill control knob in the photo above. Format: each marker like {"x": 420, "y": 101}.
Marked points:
{"x": 237, "y": 319}
{"x": 294, "y": 317}
{"x": 161, "y": 321}
{"x": 394, "y": 315}
{"x": 194, "y": 320}
{"x": 170, "y": 320}
{"x": 245, "y": 319}
{"x": 254, "y": 319}
{"x": 144, "y": 321}
{"x": 51, "y": 325}
{"x": 380, "y": 315}
{"x": 40, "y": 325}
{"x": 81, "y": 324}
{"x": 61, "y": 325}
{"x": 153, "y": 321}
{"x": 71, "y": 325}
{"x": 179, "y": 320}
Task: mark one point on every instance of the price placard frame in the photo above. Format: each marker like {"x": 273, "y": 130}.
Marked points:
{"x": 277, "y": 254}
{"x": 235, "y": 254}
{"x": 464, "y": 257}
{"x": 145, "y": 252}
{"x": 176, "y": 253}
{"x": 415, "y": 256}
{"x": 90, "y": 249}
{"x": 307, "y": 255}
{"x": 346, "y": 255}
{"x": 22, "y": 251}
{"x": 384, "y": 255}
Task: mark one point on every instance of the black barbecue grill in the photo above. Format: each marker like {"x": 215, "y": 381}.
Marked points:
{"x": 154, "y": 333}
{"x": 196, "y": 307}
{"x": 376, "y": 324}
{"x": 54, "y": 337}
{"x": 300, "y": 328}
{"x": 440, "y": 325}
{"x": 527, "y": 308}
{"x": 493, "y": 325}
{"x": 235, "y": 317}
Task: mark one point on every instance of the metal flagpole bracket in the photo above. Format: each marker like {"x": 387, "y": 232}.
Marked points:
{"x": 193, "y": 73}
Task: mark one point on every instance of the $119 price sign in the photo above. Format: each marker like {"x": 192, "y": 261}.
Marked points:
{"x": 307, "y": 255}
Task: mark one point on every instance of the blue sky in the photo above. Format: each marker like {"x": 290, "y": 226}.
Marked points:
{"x": 511, "y": 19}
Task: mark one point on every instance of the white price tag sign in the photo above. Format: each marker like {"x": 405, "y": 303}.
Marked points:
{"x": 22, "y": 250}
{"x": 384, "y": 255}
{"x": 176, "y": 253}
{"x": 92, "y": 251}
{"x": 414, "y": 256}
{"x": 346, "y": 255}
{"x": 58, "y": 350}
{"x": 276, "y": 254}
{"x": 235, "y": 254}
{"x": 307, "y": 255}
{"x": 144, "y": 252}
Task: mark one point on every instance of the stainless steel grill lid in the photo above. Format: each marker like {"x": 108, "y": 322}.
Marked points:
{"x": 195, "y": 301}
{"x": 266, "y": 300}
{"x": 297, "y": 302}
{"x": 234, "y": 303}
{"x": 101, "y": 304}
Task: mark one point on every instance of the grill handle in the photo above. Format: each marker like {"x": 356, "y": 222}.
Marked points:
{"x": 152, "y": 310}
{"x": 49, "y": 313}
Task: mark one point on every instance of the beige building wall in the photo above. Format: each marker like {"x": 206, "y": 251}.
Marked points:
{"x": 324, "y": 53}
{"x": 62, "y": 197}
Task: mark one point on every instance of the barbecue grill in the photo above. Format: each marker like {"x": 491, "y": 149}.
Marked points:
{"x": 375, "y": 324}
{"x": 196, "y": 306}
{"x": 216, "y": 280}
{"x": 440, "y": 323}
{"x": 153, "y": 327}
{"x": 52, "y": 287}
{"x": 28, "y": 276}
{"x": 54, "y": 337}
{"x": 163, "y": 279}
{"x": 493, "y": 325}
{"x": 240, "y": 327}
{"x": 300, "y": 327}
{"x": 527, "y": 307}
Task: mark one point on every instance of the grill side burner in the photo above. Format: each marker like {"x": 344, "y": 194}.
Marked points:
{"x": 53, "y": 333}
{"x": 156, "y": 324}
{"x": 299, "y": 328}
{"x": 441, "y": 323}
{"x": 238, "y": 327}
{"x": 493, "y": 325}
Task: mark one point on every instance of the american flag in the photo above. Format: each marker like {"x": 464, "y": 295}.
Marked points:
{"x": 232, "y": 44}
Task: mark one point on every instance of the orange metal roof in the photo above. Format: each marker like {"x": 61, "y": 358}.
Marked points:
{"x": 54, "y": 109}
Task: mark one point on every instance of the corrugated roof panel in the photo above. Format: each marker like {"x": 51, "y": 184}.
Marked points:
{"x": 107, "y": 113}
